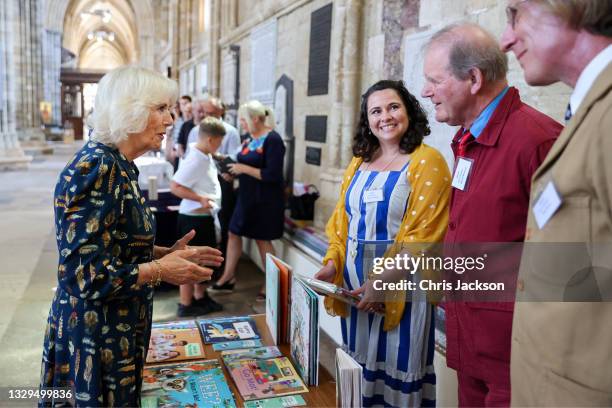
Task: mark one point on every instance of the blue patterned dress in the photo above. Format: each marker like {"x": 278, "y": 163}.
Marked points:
{"x": 100, "y": 320}
{"x": 397, "y": 364}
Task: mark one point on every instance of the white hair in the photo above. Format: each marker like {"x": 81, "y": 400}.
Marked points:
{"x": 253, "y": 109}
{"x": 124, "y": 101}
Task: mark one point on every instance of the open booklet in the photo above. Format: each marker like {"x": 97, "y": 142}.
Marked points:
{"x": 329, "y": 289}
{"x": 349, "y": 375}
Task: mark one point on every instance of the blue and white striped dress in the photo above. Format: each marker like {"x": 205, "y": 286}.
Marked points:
{"x": 397, "y": 364}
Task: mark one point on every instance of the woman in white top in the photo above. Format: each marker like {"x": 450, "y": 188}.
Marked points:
{"x": 197, "y": 184}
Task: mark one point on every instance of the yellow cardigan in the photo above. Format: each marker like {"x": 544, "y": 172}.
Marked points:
{"x": 425, "y": 221}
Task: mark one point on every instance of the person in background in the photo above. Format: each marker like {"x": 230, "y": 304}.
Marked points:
{"x": 259, "y": 212}
{"x": 504, "y": 141}
{"x": 394, "y": 191}
{"x": 561, "y": 350}
{"x": 99, "y": 324}
{"x": 191, "y": 116}
{"x": 213, "y": 107}
{"x": 196, "y": 182}
{"x": 182, "y": 113}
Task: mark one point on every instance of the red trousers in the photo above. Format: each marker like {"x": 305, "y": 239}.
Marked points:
{"x": 474, "y": 392}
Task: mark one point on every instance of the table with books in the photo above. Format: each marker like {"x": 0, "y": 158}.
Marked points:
{"x": 236, "y": 365}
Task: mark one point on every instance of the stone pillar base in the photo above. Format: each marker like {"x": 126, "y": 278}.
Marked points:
{"x": 14, "y": 159}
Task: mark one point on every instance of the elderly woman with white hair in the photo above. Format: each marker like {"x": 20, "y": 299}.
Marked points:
{"x": 259, "y": 212}
{"x": 100, "y": 319}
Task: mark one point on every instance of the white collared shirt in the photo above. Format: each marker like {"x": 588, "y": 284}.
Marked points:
{"x": 588, "y": 76}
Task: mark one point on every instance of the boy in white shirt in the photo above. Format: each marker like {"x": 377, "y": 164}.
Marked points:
{"x": 196, "y": 182}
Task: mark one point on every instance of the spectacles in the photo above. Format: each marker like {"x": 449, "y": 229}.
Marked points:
{"x": 511, "y": 12}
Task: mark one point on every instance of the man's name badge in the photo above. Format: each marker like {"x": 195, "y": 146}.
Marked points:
{"x": 546, "y": 205}
{"x": 373, "y": 196}
{"x": 462, "y": 173}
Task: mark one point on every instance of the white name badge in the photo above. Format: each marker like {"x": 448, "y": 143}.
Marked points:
{"x": 462, "y": 173}
{"x": 373, "y": 196}
{"x": 546, "y": 205}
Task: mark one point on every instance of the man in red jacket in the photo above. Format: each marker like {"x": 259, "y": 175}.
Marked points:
{"x": 501, "y": 143}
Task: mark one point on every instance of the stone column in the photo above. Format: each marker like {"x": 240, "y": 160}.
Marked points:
{"x": 11, "y": 154}
{"x": 52, "y": 61}
{"x": 214, "y": 51}
{"x": 29, "y": 81}
{"x": 346, "y": 62}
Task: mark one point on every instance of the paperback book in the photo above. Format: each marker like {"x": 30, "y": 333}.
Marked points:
{"x": 256, "y": 379}
{"x": 349, "y": 375}
{"x": 329, "y": 289}
{"x": 175, "y": 341}
{"x": 278, "y": 402}
{"x": 192, "y": 384}
{"x": 238, "y": 344}
{"x": 258, "y": 353}
{"x": 278, "y": 276}
{"x": 230, "y": 328}
{"x": 304, "y": 333}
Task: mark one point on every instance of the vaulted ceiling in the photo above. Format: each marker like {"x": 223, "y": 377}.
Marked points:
{"x": 86, "y": 17}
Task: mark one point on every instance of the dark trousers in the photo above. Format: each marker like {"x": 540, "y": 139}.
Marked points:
{"x": 228, "y": 203}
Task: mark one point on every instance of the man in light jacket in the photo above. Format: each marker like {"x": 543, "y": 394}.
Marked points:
{"x": 562, "y": 336}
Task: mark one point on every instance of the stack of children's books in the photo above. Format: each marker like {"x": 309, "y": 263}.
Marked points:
{"x": 278, "y": 300}
{"x": 184, "y": 383}
{"x": 262, "y": 375}
{"x": 304, "y": 330}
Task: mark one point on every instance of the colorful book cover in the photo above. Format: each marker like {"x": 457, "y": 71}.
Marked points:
{"x": 175, "y": 341}
{"x": 258, "y": 353}
{"x": 257, "y": 379}
{"x": 304, "y": 334}
{"x": 272, "y": 297}
{"x": 278, "y": 402}
{"x": 231, "y": 328}
{"x": 238, "y": 344}
{"x": 195, "y": 384}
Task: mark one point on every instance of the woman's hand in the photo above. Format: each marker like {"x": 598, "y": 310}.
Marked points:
{"x": 181, "y": 267}
{"x": 227, "y": 177}
{"x": 367, "y": 303}
{"x": 205, "y": 256}
{"x": 327, "y": 273}
{"x": 237, "y": 168}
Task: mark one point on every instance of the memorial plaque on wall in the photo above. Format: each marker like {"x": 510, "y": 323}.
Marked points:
{"x": 316, "y": 128}
{"x": 313, "y": 155}
{"x": 320, "y": 43}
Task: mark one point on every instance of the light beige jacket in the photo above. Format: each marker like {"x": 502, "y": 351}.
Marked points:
{"x": 562, "y": 351}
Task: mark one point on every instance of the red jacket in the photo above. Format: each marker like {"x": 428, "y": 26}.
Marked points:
{"x": 494, "y": 209}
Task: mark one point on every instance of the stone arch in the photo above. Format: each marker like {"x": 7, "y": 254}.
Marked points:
{"x": 55, "y": 13}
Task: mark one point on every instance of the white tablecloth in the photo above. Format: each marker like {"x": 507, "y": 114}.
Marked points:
{"x": 154, "y": 166}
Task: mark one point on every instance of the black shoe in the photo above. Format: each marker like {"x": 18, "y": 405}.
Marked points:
{"x": 192, "y": 310}
{"x": 227, "y": 287}
{"x": 209, "y": 303}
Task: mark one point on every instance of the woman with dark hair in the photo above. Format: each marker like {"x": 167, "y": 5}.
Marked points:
{"x": 394, "y": 191}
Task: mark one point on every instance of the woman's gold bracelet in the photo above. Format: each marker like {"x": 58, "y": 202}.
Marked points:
{"x": 157, "y": 280}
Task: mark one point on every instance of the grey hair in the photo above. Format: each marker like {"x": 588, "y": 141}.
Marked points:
{"x": 479, "y": 50}
{"x": 124, "y": 101}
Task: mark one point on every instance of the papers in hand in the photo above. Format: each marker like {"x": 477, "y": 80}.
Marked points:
{"x": 329, "y": 289}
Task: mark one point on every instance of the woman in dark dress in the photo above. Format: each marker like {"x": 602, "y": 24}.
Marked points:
{"x": 259, "y": 212}
{"x": 99, "y": 324}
